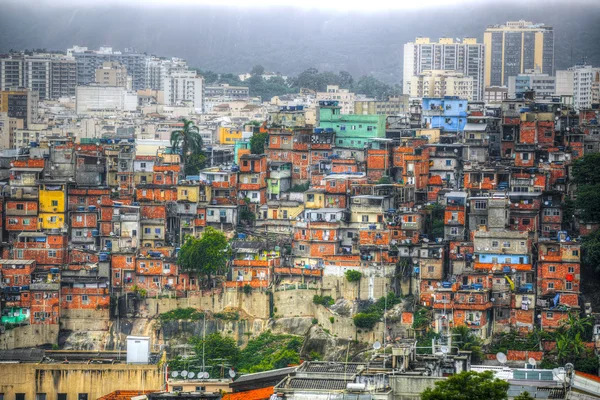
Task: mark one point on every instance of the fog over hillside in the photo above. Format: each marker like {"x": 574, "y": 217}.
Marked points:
{"x": 284, "y": 39}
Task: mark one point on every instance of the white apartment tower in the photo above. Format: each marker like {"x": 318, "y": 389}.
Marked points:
{"x": 466, "y": 57}
{"x": 184, "y": 88}
{"x": 577, "y": 81}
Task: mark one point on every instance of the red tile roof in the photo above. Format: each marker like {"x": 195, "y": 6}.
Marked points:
{"x": 256, "y": 394}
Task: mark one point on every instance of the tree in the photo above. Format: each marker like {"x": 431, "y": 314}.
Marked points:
{"x": 206, "y": 255}
{"x": 258, "y": 142}
{"x": 353, "y": 275}
{"x": 524, "y": 396}
{"x": 467, "y": 341}
{"x": 187, "y": 140}
{"x": 218, "y": 350}
{"x": 372, "y": 87}
{"x": 257, "y": 70}
{"x": 194, "y": 164}
{"x": 346, "y": 79}
{"x": 468, "y": 385}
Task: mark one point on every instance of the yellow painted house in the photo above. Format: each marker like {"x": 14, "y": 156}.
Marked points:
{"x": 188, "y": 193}
{"x": 284, "y": 210}
{"x": 229, "y": 135}
{"x": 314, "y": 199}
{"x": 52, "y": 206}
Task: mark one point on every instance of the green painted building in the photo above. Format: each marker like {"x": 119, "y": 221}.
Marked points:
{"x": 351, "y": 130}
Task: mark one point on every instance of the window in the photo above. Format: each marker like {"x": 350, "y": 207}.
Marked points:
{"x": 494, "y": 243}
{"x": 20, "y": 207}
{"x": 82, "y": 396}
{"x": 178, "y": 388}
{"x": 157, "y": 231}
{"x": 304, "y": 157}
{"x": 571, "y": 270}
{"x": 550, "y": 285}
{"x": 52, "y": 219}
{"x": 506, "y": 244}
{"x": 301, "y": 247}
{"x": 448, "y": 163}
{"x": 148, "y": 230}
{"x": 69, "y": 298}
{"x": 525, "y": 156}
{"x": 552, "y": 268}
{"x": 576, "y": 253}
{"x": 19, "y": 396}
{"x": 526, "y": 221}
{"x": 19, "y": 254}
{"x": 569, "y": 285}
{"x": 155, "y": 279}
{"x": 54, "y": 203}
{"x": 211, "y": 213}
{"x": 129, "y": 260}
{"x": 84, "y": 298}
{"x": 79, "y": 218}
{"x": 255, "y": 195}
{"x": 285, "y": 214}
{"x": 62, "y": 396}
{"x": 549, "y": 315}
{"x": 349, "y": 235}
{"x": 430, "y": 268}
{"x": 365, "y": 218}
{"x": 40, "y": 396}
{"x": 51, "y": 253}
{"x": 480, "y": 205}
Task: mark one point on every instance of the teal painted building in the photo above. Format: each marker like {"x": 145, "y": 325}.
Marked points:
{"x": 240, "y": 145}
{"x": 351, "y": 130}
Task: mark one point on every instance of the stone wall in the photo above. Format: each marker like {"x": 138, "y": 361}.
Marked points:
{"x": 29, "y": 336}
{"x": 85, "y": 320}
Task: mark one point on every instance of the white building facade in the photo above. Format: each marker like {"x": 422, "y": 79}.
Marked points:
{"x": 184, "y": 88}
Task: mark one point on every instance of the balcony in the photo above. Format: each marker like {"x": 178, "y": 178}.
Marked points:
{"x": 280, "y": 174}
{"x": 410, "y": 225}
{"x": 299, "y": 271}
{"x": 251, "y": 263}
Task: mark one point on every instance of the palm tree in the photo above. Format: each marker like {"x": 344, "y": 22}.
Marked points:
{"x": 466, "y": 340}
{"x": 187, "y": 140}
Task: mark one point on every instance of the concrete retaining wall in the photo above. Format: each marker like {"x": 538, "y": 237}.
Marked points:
{"x": 29, "y": 336}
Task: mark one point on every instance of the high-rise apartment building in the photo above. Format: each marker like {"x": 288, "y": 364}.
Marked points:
{"x": 12, "y": 72}
{"x": 88, "y": 61}
{"x": 541, "y": 84}
{"x": 184, "y": 88}
{"x": 577, "y": 81}
{"x": 51, "y": 75}
{"x": 21, "y": 104}
{"x": 516, "y": 47}
{"x": 157, "y": 69}
{"x": 113, "y": 74}
{"x": 466, "y": 57}
{"x": 63, "y": 78}
{"x": 441, "y": 84}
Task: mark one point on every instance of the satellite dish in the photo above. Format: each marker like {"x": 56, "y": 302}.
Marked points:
{"x": 231, "y": 373}
{"x": 444, "y": 349}
{"x": 184, "y": 373}
{"x": 514, "y": 270}
{"x": 438, "y": 284}
{"x": 377, "y": 345}
{"x": 205, "y": 375}
{"x": 174, "y": 374}
{"x": 532, "y": 361}
{"x": 191, "y": 375}
{"x": 501, "y": 357}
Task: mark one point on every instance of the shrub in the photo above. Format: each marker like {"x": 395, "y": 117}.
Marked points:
{"x": 228, "y": 315}
{"x": 331, "y": 319}
{"x": 189, "y": 314}
{"x": 366, "y": 320}
{"x": 315, "y": 321}
{"x": 323, "y": 300}
{"x": 247, "y": 289}
{"x": 353, "y": 275}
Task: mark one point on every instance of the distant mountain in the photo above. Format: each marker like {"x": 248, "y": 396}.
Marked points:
{"x": 289, "y": 40}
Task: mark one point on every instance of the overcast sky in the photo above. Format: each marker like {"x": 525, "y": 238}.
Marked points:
{"x": 341, "y": 5}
